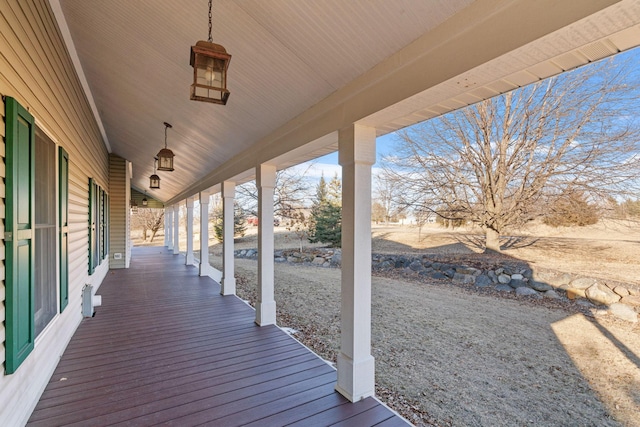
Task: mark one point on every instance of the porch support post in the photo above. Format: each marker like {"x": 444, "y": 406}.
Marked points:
{"x": 168, "y": 230}
{"x": 189, "y": 256}
{"x": 357, "y": 152}
{"x": 204, "y": 234}
{"x": 176, "y": 229}
{"x": 228, "y": 222}
{"x": 266, "y": 307}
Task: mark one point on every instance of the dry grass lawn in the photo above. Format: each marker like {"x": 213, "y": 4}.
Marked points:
{"x": 447, "y": 355}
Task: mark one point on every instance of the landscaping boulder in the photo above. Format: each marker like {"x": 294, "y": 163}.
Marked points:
{"x": 318, "y": 260}
{"x": 482, "y": 281}
{"x": 621, "y": 290}
{"x": 468, "y": 270}
{"x": 336, "y": 259}
{"x": 551, "y": 294}
{"x": 518, "y": 283}
{"x": 460, "y": 278}
{"x": 540, "y": 286}
{"x": 583, "y": 283}
{"x": 624, "y": 312}
{"x": 526, "y": 292}
{"x": 504, "y": 288}
{"x": 575, "y": 293}
{"x": 633, "y": 300}
{"x": 504, "y": 279}
{"x": 416, "y": 266}
{"x": 600, "y": 294}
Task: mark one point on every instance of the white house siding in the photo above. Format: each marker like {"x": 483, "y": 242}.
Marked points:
{"x": 36, "y": 70}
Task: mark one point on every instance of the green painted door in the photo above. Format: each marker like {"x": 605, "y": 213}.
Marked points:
{"x": 19, "y": 231}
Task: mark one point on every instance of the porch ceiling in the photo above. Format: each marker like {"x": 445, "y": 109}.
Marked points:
{"x": 301, "y": 70}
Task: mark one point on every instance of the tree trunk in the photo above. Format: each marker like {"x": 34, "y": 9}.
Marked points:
{"x": 492, "y": 240}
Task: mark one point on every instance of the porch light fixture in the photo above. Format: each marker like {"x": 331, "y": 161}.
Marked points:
{"x": 134, "y": 206}
{"x": 154, "y": 180}
{"x": 210, "y": 62}
{"x": 165, "y": 156}
{"x": 145, "y": 202}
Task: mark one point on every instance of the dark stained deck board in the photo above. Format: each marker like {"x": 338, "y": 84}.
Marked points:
{"x": 166, "y": 348}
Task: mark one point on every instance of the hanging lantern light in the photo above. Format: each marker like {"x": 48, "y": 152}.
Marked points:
{"x": 145, "y": 201}
{"x": 154, "y": 180}
{"x": 210, "y": 62}
{"x": 165, "y": 156}
{"x": 134, "y": 206}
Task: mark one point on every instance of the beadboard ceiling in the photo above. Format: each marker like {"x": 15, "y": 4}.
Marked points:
{"x": 301, "y": 69}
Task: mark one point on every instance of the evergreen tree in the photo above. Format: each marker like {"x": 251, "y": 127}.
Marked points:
{"x": 239, "y": 222}
{"x": 325, "y": 223}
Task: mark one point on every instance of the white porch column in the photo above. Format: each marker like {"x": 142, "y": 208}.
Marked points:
{"x": 357, "y": 152}
{"x": 228, "y": 270}
{"x": 204, "y": 267}
{"x": 168, "y": 218}
{"x": 189, "y": 256}
{"x": 266, "y": 307}
{"x": 176, "y": 229}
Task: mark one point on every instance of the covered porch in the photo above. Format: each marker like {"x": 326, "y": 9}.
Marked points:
{"x": 166, "y": 347}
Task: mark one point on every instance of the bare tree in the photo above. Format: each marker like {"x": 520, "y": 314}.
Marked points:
{"x": 149, "y": 220}
{"x": 499, "y": 161}
{"x": 386, "y": 195}
{"x": 290, "y": 194}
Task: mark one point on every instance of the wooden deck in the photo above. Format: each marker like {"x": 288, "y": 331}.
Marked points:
{"x": 166, "y": 348}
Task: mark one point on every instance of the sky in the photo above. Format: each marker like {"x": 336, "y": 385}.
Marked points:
{"x": 328, "y": 165}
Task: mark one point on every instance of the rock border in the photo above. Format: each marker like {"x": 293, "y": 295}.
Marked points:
{"x": 621, "y": 300}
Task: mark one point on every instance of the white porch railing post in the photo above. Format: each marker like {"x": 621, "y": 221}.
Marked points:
{"x": 228, "y": 221}
{"x": 168, "y": 230}
{"x": 166, "y": 218}
{"x": 356, "y": 375}
{"x": 204, "y": 234}
{"x": 266, "y": 306}
{"x": 176, "y": 229}
{"x": 189, "y": 256}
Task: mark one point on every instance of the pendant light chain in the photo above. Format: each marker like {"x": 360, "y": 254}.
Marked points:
{"x": 210, "y": 38}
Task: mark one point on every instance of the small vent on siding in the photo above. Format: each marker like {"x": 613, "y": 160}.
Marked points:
{"x": 598, "y": 50}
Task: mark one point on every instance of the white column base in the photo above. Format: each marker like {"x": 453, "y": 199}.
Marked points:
{"x": 266, "y": 313}
{"x": 228, "y": 286}
{"x": 356, "y": 379}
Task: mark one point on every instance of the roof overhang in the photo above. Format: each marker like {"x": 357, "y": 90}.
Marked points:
{"x": 301, "y": 71}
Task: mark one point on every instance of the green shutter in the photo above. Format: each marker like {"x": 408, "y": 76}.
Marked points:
{"x": 101, "y": 224}
{"x": 104, "y": 249}
{"x": 106, "y": 225}
{"x": 63, "y": 172}
{"x": 92, "y": 224}
{"x": 19, "y": 228}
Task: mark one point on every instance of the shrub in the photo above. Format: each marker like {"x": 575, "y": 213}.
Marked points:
{"x": 571, "y": 209}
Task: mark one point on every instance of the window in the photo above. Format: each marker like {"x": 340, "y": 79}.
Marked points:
{"x": 31, "y": 248}
{"x": 45, "y": 289}
{"x": 98, "y": 225}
